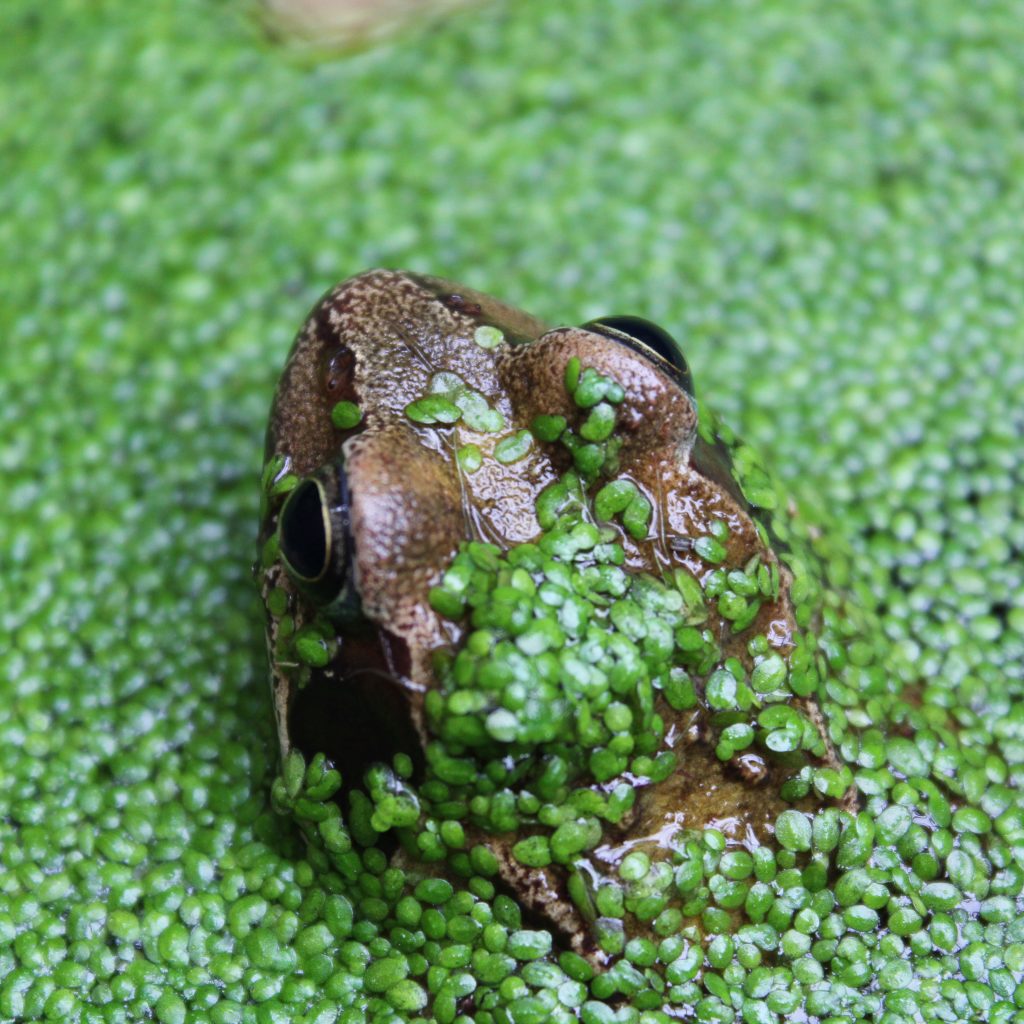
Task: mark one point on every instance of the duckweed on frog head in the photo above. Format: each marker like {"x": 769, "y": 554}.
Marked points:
{"x": 642, "y": 704}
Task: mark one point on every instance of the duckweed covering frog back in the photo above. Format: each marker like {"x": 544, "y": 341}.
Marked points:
{"x": 613, "y": 739}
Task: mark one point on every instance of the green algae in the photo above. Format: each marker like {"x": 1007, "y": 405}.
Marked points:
{"x": 823, "y": 203}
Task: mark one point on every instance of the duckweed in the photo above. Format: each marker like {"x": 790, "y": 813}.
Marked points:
{"x": 514, "y": 447}
{"x": 560, "y": 668}
{"x": 557, "y": 681}
{"x": 488, "y": 337}
{"x": 346, "y": 415}
{"x": 433, "y": 409}
{"x": 448, "y": 391}
{"x": 470, "y": 458}
{"x": 823, "y": 203}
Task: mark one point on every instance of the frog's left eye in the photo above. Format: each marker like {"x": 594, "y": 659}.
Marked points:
{"x": 314, "y": 534}
{"x": 650, "y": 341}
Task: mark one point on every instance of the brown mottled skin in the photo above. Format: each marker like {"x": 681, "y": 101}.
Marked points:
{"x": 376, "y": 339}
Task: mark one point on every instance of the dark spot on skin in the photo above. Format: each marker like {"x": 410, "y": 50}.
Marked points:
{"x": 340, "y": 304}
{"x": 461, "y": 305}
{"x": 339, "y": 375}
{"x": 752, "y": 767}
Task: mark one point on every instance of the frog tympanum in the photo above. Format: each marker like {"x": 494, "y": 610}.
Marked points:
{"x": 523, "y": 598}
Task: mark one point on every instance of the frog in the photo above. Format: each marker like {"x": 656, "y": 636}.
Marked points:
{"x": 432, "y": 452}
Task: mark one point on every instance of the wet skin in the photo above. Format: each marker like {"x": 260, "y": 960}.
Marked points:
{"x": 369, "y": 516}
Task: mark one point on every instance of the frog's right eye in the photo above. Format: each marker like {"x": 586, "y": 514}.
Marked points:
{"x": 305, "y": 532}
{"x": 649, "y": 340}
{"x": 315, "y": 535}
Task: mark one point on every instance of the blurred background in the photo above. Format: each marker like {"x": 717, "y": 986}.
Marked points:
{"x": 326, "y": 26}
{"x": 822, "y": 200}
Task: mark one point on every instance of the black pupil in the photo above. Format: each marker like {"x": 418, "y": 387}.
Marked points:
{"x": 303, "y": 536}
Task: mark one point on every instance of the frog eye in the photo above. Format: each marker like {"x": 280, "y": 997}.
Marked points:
{"x": 649, "y": 340}
{"x": 314, "y": 533}
{"x": 305, "y": 532}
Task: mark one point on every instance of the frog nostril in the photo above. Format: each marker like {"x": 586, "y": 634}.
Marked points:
{"x": 646, "y": 338}
{"x": 304, "y": 532}
{"x": 339, "y": 373}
